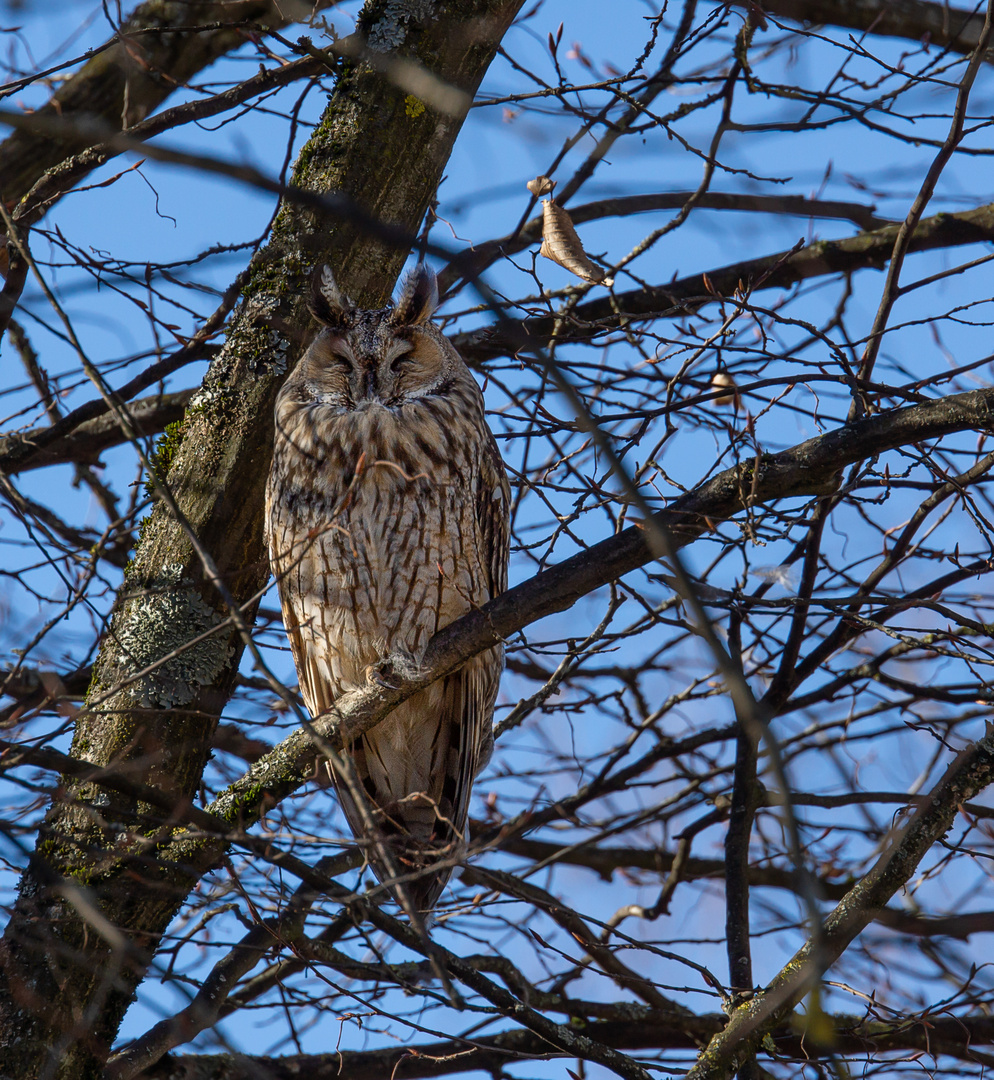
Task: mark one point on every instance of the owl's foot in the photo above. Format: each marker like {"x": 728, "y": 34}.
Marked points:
{"x": 393, "y": 670}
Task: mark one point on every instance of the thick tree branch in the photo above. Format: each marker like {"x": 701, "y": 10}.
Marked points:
{"x": 85, "y": 443}
{"x": 959, "y": 1036}
{"x": 957, "y": 29}
{"x": 869, "y": 250}
{"x": 20, "y": 452}
{"x": 969, "y": 774}
{"x": 812, "y": 468}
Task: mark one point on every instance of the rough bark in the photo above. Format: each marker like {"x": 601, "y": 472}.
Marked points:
{"x": 957, "y": 29}
{"x": 98, "y": 892}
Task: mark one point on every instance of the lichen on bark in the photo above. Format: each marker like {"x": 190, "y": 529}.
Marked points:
{"x": 168, "y": 630}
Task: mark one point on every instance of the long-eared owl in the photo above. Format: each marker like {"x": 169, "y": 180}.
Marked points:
{"x": 387, "y": 518}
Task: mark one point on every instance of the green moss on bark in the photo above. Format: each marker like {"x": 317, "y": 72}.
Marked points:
{"x": 163, "y": 453}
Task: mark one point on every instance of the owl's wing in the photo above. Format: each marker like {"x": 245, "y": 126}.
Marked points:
{"x": 493, "y": 511}
{"x": 294, "y": 560}
{"x": 471, "y": 692}
{"x": 452, "y": 739}
{"x": 493, "y": 516}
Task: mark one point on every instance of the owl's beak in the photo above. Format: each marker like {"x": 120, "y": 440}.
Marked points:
{"x": 369, "y": 383}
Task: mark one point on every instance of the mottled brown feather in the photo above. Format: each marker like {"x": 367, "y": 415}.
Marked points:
{"x": 387, "y": 519}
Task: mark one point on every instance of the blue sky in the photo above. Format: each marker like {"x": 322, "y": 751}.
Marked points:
{"x": 158, "y": 213}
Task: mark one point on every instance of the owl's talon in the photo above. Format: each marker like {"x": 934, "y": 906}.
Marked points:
{"x": 380, "y": 673}
{"x": 392, "y": 670}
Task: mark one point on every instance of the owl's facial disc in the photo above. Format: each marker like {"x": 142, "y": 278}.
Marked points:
{"x": 375, "y": 365}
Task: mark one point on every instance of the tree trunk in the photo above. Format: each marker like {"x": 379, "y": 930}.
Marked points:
{"x": 96, "y": 897}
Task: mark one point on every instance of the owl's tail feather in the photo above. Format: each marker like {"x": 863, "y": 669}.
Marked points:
{"x": 396, "y": 854}
{"x": 414, "y": 772}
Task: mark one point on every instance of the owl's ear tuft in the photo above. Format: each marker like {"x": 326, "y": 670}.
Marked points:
{"x": 326, "y": 303}
{"x": 418, "y": 298}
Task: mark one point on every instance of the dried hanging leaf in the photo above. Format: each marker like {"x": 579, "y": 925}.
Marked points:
{"x": 721, "y": 380}
{"x": 561, "y": 244}
{"x": 541, "y": 185}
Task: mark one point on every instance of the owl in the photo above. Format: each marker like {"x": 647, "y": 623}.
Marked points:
{"x": 386, "y": 519}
